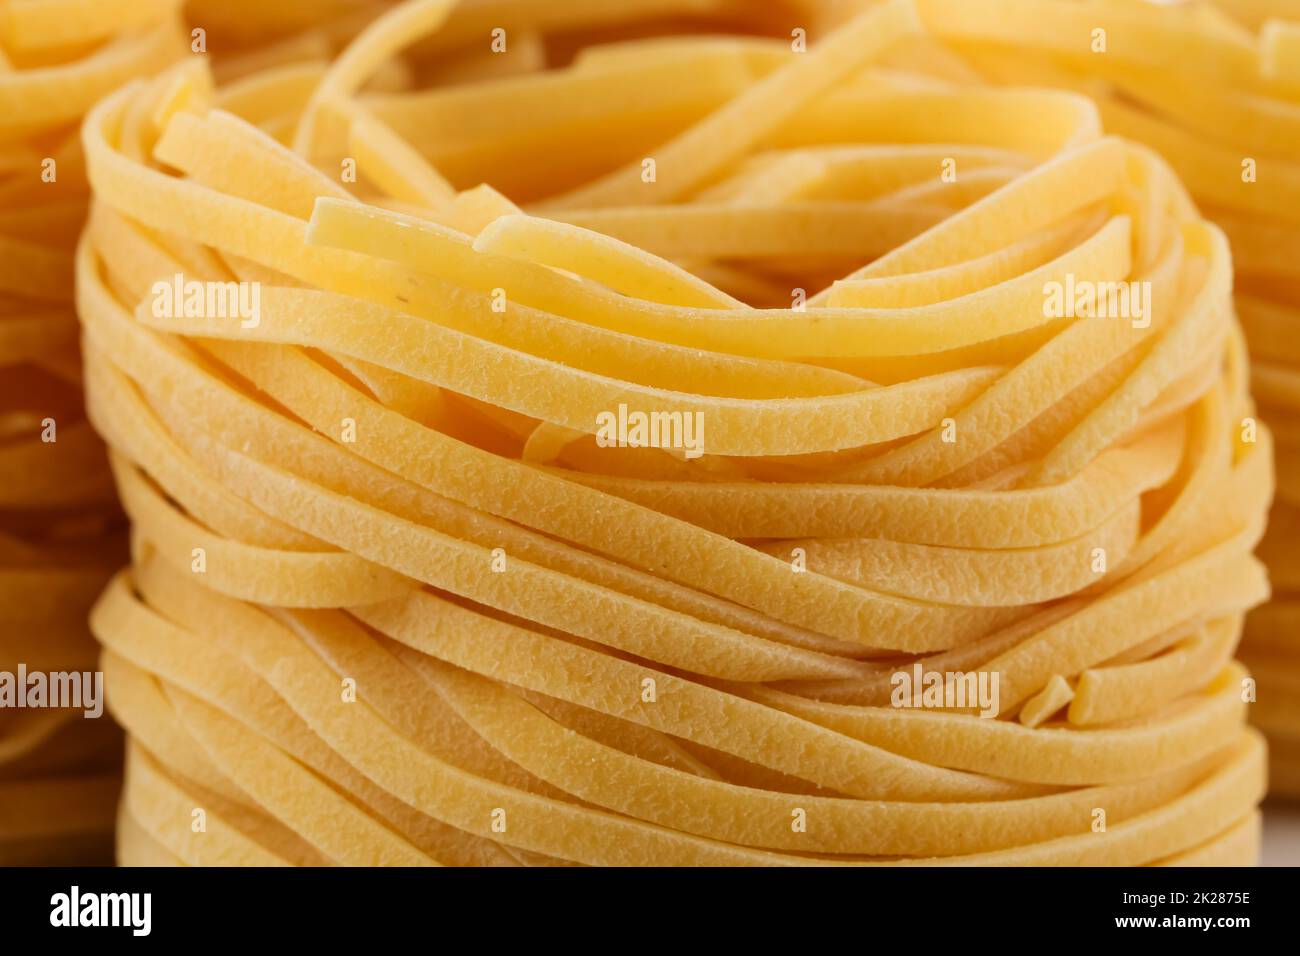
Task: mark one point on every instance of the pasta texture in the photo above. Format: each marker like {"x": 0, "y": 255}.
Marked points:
{"x": 568, "y": 462}
{"x": 243, "y": 37}
{"x": 1226, "y": 116}
{"x": 61, "y": 532}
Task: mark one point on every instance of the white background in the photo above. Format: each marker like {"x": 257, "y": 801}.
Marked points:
{"x": 1281, "y": 834}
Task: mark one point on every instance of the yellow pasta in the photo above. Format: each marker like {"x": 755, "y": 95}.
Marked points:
{"x": 61, "y": 534}
{"x": 415, "y": 582}
{"x": 1227, "y": 119}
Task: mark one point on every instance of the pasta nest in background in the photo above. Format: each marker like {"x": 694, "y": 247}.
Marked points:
{"x": 61, "y": 534}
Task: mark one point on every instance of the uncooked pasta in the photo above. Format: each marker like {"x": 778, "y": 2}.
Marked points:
{"x": 1219, "y": 98}
{"x": 61, "y": 536}
{"x": 714, "y": 444}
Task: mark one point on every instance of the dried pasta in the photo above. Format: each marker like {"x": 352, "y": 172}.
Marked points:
{"x": 1212, "y": 87}
{"x": 61, "y": 534}
{"x": 413, "y": 583}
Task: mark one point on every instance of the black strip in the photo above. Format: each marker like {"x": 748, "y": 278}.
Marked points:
{"x": 460, "y": 910}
